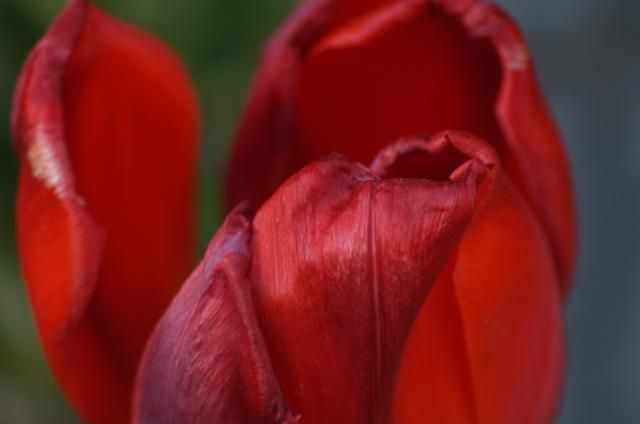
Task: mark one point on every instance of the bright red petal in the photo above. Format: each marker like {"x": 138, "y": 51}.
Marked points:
{"x": 342, "y": 263}
{"x": 106, "y": 125}
{"x": 505, "y": 282}
{"x": 488, "y": 346}
{"x": 352, "y": 76}
{"x": 206, "y": 361}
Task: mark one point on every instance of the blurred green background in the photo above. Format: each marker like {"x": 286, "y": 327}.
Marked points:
{"x": 586, "y": 52}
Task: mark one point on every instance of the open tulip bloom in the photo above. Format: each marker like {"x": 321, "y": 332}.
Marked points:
{"x": 399, "y": 243}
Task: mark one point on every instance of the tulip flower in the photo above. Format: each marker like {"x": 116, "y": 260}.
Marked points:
{"x": 105, "y": 123}
{"x": 425, "y": 287}
{"x": 397, "y": 293}
{"x": 353, "y": 76}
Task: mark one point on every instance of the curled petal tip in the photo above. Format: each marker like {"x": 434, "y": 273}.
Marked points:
{"x": 452, "y": 154}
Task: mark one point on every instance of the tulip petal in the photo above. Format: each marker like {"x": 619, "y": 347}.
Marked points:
{"x": 264, "y": 132}
{"x": 534, "y": 155}
{"x": 376, "y": 71}
{"x": 505, "y": 282}
{"x": 206, "y": 361}
{"x": 106, "y": 125}
{"x": 270, "y": 315}
{"x": 487, "y": 346}
{"x": 342, "y": 264}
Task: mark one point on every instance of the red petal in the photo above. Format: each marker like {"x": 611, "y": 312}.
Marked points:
{"x": 106, "y": 125}
{"x": 206, "y": 360}
{"x": 487, "y": 346}
{"x": 259, "y": 163}
{"x": 342, "y": 263}
{"x": 344, "y": 11}
{"x": 351, "y": 76}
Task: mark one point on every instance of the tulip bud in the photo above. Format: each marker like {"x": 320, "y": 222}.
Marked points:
{"x": 362, "y": 295}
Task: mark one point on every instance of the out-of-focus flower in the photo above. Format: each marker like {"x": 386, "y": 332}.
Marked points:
{"x": 106, "y": 125}
{"x": 351, "y": 76}
{"x": 400, "y": 293}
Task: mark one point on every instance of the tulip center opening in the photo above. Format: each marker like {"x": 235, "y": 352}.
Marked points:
{"x": 420, "y": 75}
{"x": 441, "y": 157}
{"x": 421, "y": 164}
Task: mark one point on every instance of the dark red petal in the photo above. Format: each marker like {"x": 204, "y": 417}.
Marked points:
{"x": 487, "y": 346}
{"x": 346, "y": 11}
{"x": 259, "y": 163}
{"x": 427, "y": 82}
{"x": 342, "y": 263}
{"x": 332, "y": 75}
{"x": 369, "y": 72}
{"x": 106, "y": 125}
{"x": 206, "y": 361}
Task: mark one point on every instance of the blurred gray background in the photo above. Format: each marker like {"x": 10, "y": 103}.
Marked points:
{"x": 587, "y": 54}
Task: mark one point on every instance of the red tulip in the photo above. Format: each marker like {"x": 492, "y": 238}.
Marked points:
{"x": 425, "y": 288}
{"x": 353, "y": 75}
{"x": 419, "y": 290}
{"x": 105, "y": 123}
